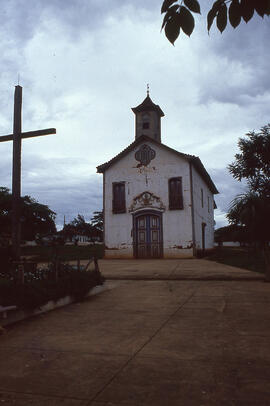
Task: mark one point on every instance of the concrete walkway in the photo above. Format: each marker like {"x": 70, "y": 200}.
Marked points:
{"x": 173, "y": 269}
{"x": 147, "y": 343}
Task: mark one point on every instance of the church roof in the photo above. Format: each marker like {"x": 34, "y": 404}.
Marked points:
{"x": 148, "y": 105}
{"x": 194, "y": 160}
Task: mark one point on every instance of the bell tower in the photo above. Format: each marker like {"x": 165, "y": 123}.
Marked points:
{"x": 147, "y": 119}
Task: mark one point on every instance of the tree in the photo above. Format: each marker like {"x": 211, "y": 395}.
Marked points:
{"x": 81, "y": 226}
{"x": 5, "y": 211}
{"x": 36, "y": 218}
{"x": 253, "y": 212}
{"x": 253, "y": 163}
{"x": 231, "y": 233}
{"x": 78, "y": 226}
{"x": 97, "y": 222}
{"x": 68, "y": 232}
{"x": 252, "y": 209}
{"x": 178, "y": 14}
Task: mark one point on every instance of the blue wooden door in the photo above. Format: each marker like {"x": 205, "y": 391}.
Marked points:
{"x": 148, "y": 236}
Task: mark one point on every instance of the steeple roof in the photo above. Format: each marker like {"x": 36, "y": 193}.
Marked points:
{"x": 148, "y": 105}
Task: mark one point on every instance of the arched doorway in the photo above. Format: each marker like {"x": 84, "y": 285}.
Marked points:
{"x": 147, "y": 235}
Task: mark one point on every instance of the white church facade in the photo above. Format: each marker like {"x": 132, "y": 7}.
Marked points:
{"x": 158, "y": 202}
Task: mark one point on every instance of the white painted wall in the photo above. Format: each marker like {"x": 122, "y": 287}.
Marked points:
{"x": 228, "y": 244}
{"x": 177, "y": 224}
{"x": 154, "y": 129}
{"x": 203, "y": 214}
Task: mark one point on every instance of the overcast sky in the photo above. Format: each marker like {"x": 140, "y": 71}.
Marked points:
{"x": 84, "y": 63}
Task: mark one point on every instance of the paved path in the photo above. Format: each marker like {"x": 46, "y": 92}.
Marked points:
{"x": 173, "y": 269}
{"x": 147, "y": 343}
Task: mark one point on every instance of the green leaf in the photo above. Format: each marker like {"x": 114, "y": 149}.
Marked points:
{"x": 186, "y": 21}
{"x": 235, "y": 13}
{"x": 210, "y": 18}
{"x": 172, "y": 28}
{"x": 217, "y": 5}
{"x": 247, "y": 9}
{"x": 193, "y": 5}
{"x": 166, "y": 4}
{"x": 169, "y": 14}
{"x": 213, "y": 12}
{"x": 267, "y": 9}
{"x": 262, "y": 7}
{"x": 222, "y": 18}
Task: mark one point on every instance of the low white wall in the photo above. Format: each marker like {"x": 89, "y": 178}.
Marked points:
{"x": 229, "y": 244}
{"x": 19, "y": 315}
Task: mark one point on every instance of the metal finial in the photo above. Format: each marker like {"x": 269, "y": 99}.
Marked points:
{"x": 18, "y": 79}
{"x": 147, "y": 89}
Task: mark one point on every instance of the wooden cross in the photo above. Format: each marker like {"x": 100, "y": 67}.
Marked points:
{"x": 16, "y": 137}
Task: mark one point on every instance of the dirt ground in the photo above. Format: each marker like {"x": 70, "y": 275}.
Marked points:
{"x": 146, "y": 342}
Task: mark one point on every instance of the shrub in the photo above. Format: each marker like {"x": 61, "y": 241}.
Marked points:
{"x": 5, "y": 258}
{"x": 38, "y": 292}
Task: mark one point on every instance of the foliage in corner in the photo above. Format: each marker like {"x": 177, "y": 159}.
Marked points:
{"x": 178, "y": 14}
{"x": 179, "y": 17}
{"x": 252, "y": 209}
{"x": 252, "y": 212}
{"x": 253, "y": 162}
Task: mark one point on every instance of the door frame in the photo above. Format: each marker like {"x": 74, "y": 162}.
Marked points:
{"x": 146, "y": 212}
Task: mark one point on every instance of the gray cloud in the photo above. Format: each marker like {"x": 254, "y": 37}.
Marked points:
{"x": 244, "y": 64}
{"x": 85, "y": 63}
{"x": 67, "y": 193}
{"x": 57, "y": 185}
{"x": 68, "y": 187}
{"x": 21, "y": 20}
{"x": 228, "y": 189}
{"x": 227, "y": 186}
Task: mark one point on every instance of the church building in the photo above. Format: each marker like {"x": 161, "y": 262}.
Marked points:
{"x": 157, "y": 202}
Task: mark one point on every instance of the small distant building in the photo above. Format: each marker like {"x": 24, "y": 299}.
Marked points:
{"x": 228, "y": 244}
{"x": 81, "y": 239}
{"x": 158, "y": 202}
{"x": 32, "y": 243}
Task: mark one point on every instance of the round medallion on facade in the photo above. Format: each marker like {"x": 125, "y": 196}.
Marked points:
{"x": 145, "y": 154}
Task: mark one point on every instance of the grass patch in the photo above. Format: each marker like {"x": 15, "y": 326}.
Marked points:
{"x": 63, "y": 252}
{"x": 239, "y": 257}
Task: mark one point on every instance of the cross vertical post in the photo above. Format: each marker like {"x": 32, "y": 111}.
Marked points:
{"x": 16, "y": 173}
{"x": 16, "y": 138}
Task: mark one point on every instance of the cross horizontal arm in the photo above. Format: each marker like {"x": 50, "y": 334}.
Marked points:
{"x": 29, "y": 134}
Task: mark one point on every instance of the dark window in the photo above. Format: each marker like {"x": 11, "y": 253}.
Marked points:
{"x": 175, "y": 194}
{"x": 145, "y": 126}
{"x": 202, "y": 197}
{"x": 119, "y": 201}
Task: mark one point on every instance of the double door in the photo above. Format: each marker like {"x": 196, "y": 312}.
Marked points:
{"x": 148, "y": 236}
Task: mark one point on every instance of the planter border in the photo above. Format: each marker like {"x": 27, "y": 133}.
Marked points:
{"x": 19, "y": 315}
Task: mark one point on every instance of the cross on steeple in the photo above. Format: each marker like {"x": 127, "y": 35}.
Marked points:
{"x": 16, "y": 137}
{"x": 147, "y": 89}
